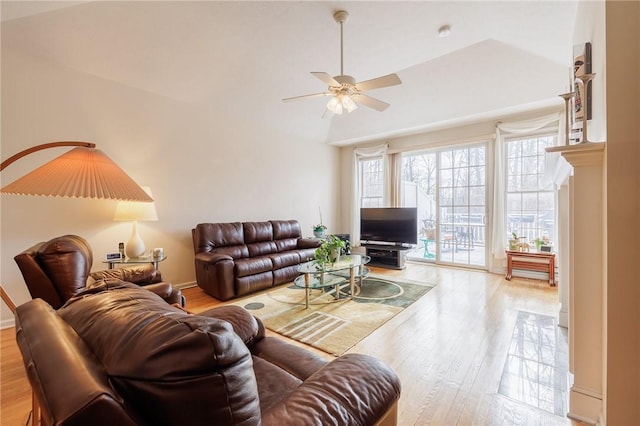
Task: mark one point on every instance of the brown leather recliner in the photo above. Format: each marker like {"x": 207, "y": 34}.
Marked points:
{"x": 125, "y": 357}
{"x": 58, "y": 269}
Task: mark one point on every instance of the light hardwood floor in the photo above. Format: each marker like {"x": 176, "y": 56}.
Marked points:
{"x": 449, "y": 349}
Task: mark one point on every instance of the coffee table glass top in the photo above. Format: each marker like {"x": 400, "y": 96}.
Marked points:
{"x": 319, "y": 280}
{"x": 346, "y": 262}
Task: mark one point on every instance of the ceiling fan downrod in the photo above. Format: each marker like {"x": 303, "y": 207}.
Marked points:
{"x": 341, "y": 17}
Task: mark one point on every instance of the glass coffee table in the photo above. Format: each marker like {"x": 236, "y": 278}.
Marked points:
{"x": 347, "y": 269}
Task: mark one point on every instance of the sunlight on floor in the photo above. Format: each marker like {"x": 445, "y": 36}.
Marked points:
{"x": 535, "y": 371}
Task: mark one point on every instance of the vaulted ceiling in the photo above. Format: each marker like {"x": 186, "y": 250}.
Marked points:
{"x": 500, "y": 57}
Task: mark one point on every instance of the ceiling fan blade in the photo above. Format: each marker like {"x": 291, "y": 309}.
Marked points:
{"x": 326, "y": 78}
{"x": 378, "y": 83}
{"x": 314, "y": 95}
{"x": 373, "y": 103}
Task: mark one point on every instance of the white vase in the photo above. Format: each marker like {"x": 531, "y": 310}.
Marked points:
{"x": 135, "y": 246}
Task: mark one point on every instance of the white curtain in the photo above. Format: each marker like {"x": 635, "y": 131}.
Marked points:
{"x": 498, "y": 236}
{"x": 556, "y": 168}
{"x": 395, "y": 180}
{"x": 360, "y": 154}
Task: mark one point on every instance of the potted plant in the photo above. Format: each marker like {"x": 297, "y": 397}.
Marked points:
{"x": 329, "y": 251}
{"x": 542, "y": 241}
{"x": 538, "y": 243}
{"x": 319, "y": 230}
{"x": 514, "y": 242}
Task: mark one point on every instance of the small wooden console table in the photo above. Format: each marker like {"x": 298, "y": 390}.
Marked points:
{"x": 532, "y": 261}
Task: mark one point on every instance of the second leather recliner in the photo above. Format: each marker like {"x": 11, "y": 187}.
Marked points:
{"x": 58, "y": 269}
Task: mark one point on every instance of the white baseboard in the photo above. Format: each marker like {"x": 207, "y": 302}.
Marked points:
{"x": 563, "y": 318}
{"x": 585, "y": 405}
{"x": 8, "y": 323}
{"x": 184, "y": 285}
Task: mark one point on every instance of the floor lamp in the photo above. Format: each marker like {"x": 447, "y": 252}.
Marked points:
{"x": 83, "y": 172}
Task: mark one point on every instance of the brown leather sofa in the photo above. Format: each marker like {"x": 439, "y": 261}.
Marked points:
{"x": 58, "y": 269}
{"x": 235, "y": 259}
{"x": 125, "y": 357}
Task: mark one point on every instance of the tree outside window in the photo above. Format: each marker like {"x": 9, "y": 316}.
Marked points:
{"x": 530, "y": 205}
{"x": 372, "y": 182}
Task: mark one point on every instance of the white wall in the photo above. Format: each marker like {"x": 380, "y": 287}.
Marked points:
{"x": 590, "y": 27}
{"x": 203, "y": 164}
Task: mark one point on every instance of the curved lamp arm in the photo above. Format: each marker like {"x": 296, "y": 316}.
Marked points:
{"x": 36, "y": 148}
{"x": 5, "y": 296}
{"x": 110, "y": 182}
{"x": 7, "y": 300}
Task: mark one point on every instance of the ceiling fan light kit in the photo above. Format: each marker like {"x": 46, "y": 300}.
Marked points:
{"x": 344, "y": 91}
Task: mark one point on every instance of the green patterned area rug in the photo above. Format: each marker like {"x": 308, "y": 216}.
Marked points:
{"x": 330, "y": 324}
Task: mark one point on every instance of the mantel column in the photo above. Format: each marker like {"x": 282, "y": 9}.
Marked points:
{"x": 586, "y": 276}
{"x": 564, "y": 250}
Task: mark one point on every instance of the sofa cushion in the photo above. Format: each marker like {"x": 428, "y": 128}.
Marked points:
{"x": 286, "y": 244}
{"x": 252, "y": 266}
{"x": 274, "y": 383}
{"x": 261, "y": 248}
{"x": 286, "y": 274}
{"x": 142, "y": 342}
{"x": 286, "y": 229}
{"x": 253, "y": 283}
{"x": 281, "y": 260}
{"x": 257, "y": 231}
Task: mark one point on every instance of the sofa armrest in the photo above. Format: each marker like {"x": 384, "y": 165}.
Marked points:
{"x": 215, "y": 275}
{"x": 68, "y": 381}
{"x": 354, "y": 389}
{"x": 306, "y": 243}
{"x": 212, "y": 257}
{"x": 144, "y": 273}
{"x": 165, "y": 290}
{"x": 248, "y": 327}
{"x": 168, "y": 292}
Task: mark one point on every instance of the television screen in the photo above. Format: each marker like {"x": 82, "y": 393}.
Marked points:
{"x": 397, "y": 225}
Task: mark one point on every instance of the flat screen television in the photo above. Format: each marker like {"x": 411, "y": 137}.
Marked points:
{"x": 391, "y": 225}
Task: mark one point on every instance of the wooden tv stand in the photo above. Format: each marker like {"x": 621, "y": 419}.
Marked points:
{"x": 532, "y": 261}
{"x": 384, "y": 256}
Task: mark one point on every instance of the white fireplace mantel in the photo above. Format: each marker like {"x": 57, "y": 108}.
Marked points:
{"x": 586, "y": 277}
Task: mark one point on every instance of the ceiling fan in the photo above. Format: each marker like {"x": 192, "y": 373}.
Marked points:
{"x": 345, "y": 92}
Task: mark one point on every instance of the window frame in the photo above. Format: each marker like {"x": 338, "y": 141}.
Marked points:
{"x": 535, "y": 222}
{"x": 364, "y": 196}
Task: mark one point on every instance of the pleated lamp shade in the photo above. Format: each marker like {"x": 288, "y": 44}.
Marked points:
{"x": 79, "y": 173}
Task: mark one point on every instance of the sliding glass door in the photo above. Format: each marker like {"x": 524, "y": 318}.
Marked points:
{"x": 448, "y": 186}
{"x": 461, "y": 205}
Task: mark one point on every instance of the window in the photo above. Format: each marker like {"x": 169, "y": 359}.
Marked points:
{"x": 448, "y": 186}
{"x": 371, "y": 182}
{"x": 531, "y": 207}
